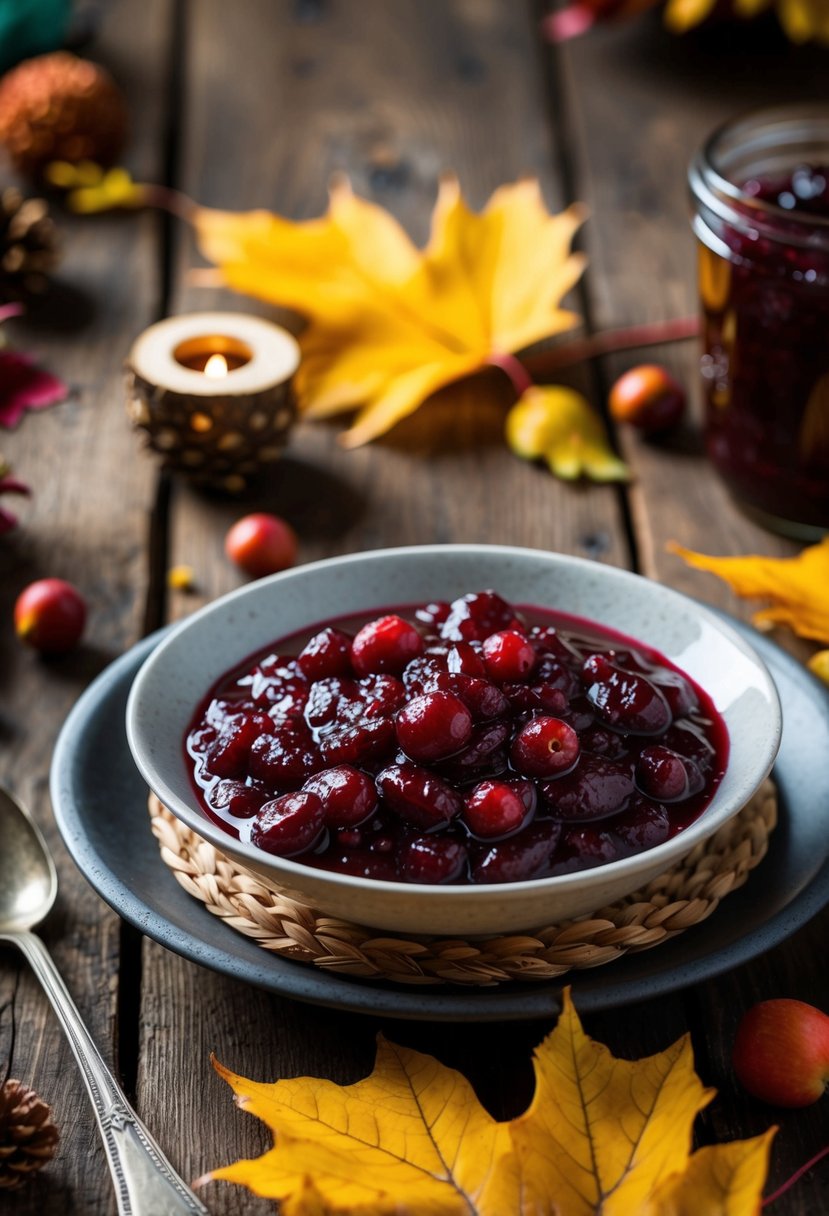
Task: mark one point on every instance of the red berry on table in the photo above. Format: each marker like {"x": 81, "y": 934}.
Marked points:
{"x": 50, "y": 616}
{"x": 261, "y": 544}
{"x": 545, "y": 747}
{"x": 649, "y": 398}
{"x": 508, "y": 655}
{"x": 781, "y": 1052}
{"x": 386, "y": 644}
{"x": 433, "y": 726}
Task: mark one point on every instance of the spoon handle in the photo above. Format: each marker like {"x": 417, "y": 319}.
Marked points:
{"x": 145, "y": 1182}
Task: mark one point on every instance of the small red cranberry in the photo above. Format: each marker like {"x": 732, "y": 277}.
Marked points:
{"x": 385, "y": 644}
{"x": 475, "y": 616}
{"x": 508, "y": 655}
{"x": 666, "y": 776}
{"x": 347, "y": 795}
{"x": 360, "y": 744}
{"x": 643, "y": 825}
{"x": 432, "y": 859}
{"x": 624, "y": 699}
{"x": 434, "y": 613}
{"x": 484, "y": 742}
{"x": 482, "y": 699}
{"x": 544, "y": 747}
{"x": 382, "y": 695}
{"x": 237, "y": 799}
{"x": 261, "y": 544}
{"x": 494, "y": 808}
{"x": 287, "y": 757}
{"x": 289, "y": 824}
{"x": 328, "y": 653}
{"x": 418, "y": 796}
{"x": 50, "y": 615}
{"x": 465, "y": 660}
{"x": 594, "y": 789}
{"x": 228, "y": 754}
{"x": 433, "y": 726}
{"x": 583, "y": 848}
{"x": 521, "y": 858}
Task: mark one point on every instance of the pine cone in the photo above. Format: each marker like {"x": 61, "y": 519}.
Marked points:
{"x": 27, "y": 1134}
{"x": 60, "y": 107}
{"x": 28, "y": 245}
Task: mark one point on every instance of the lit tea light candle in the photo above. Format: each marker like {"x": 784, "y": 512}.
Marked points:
{"x": 213, "y": 394}
{"x": 216, "y": 367}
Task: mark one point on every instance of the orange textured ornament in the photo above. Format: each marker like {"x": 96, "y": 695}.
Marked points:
{"x": 60, "y": 107}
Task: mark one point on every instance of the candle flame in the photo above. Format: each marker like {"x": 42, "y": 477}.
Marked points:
{"x": 216, "y": 367}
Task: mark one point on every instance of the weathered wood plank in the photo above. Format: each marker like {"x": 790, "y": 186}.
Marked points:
{"x": 86, "y": 523}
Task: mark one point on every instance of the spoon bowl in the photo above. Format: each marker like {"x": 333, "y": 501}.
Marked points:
{"x": 28, "y": 879}
{"x": 145, "y": 1182}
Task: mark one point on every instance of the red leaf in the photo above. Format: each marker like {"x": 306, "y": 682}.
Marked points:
{"x": 25, "y": 387}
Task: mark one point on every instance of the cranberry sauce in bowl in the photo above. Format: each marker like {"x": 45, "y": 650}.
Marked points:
{"x": 459, "y": 743}
{"x": 208, "y": 649}
{"x": 761, "y": 191}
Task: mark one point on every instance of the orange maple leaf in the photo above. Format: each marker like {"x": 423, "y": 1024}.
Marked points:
{"x": 389, "y": 324}
{"x": 797, "y": 587}
{"x": 601, "y": 1136}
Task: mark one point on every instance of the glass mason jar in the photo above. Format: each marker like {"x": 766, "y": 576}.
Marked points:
{"x": 760, "y": 187}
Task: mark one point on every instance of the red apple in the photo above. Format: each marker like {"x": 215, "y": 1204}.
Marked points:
{"x": 50, "y": 615}
{"x": 261, "y": 544}
{"x": 781, "y": 1052}
{"x": 649, "y": 398}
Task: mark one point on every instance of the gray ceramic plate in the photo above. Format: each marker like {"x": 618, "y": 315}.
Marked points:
{"x": 99, "y": 801}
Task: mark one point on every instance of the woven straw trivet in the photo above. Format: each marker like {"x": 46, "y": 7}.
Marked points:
{"x": 668, "y": 905}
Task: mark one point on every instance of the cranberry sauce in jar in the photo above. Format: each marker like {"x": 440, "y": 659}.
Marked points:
{"x": 470, "y": 742}
{"x": 760, "y": 186}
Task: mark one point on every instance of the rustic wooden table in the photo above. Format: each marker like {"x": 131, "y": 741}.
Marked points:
{"x": 255, "y": 104}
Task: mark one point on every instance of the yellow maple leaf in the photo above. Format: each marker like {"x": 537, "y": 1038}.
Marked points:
{"x": 413, "y": 1131}
{"x": 798, "y": 587}
{"x": 725, "y": 1179}
{"x": 389, "y": 324}
{"x": 602, "y": 1137}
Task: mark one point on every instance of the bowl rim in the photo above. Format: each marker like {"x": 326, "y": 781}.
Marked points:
{"x": 287, "y": 870}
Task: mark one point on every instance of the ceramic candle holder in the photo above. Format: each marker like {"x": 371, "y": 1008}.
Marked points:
{"x": 213, "y": 394}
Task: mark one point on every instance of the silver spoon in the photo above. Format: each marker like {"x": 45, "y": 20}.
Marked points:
{"x": 145, "y": 1182}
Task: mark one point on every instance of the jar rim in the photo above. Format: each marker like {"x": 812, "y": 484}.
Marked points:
{"x": 777, "y": 127}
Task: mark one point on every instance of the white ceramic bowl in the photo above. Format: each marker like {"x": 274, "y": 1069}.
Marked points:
{"x": 202, "y": 648}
